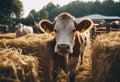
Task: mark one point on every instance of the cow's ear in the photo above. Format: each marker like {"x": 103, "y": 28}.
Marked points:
{"x": 46, "y": 26}
{"x": 84, "y": 24}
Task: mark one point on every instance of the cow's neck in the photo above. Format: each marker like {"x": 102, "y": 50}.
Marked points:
{"x": 77, "y": 45}
{"x": 64, "y": 61}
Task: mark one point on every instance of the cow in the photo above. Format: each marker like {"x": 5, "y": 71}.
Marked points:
{"x": 4, "y": 28}
{"x": 71, "y": 38}
{"x": 23, "y": 30}
{"x": 115, "y": 25}
{"x": 36, "y": 28}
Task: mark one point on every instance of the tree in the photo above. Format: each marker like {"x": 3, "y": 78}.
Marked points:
{"x": 52, "y": 10}
{"x": 44, "y": 14}
{"x": 108, "y": 6}
{"x": 10, "y": 9}
{"x": 32, "y": 14}
{"x": 96, "y": 7}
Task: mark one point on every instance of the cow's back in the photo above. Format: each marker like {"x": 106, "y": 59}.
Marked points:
{"x": 27, "y": 29}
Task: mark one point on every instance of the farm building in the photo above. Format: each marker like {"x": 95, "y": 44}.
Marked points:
{"x": 103, "y": 24}
{"x": 98, "y": 17}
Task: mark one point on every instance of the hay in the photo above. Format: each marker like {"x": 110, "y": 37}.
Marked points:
{"x": 36, "y": 45}
{"x": 106, "y": 58}
{"x": 62, "y": 76}
{"x": 15, "y": 67}
{"x": 8, "y": 36}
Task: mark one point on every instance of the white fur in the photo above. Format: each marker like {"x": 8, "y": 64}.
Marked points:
{"x": 23, "y": 30}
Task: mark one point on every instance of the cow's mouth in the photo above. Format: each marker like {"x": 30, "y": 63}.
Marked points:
{"x": 62, "y": 51}
{"x": 65, "y": 54}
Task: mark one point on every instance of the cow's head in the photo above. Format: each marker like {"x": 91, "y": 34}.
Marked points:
{"x": 64, "y": 28}
{"x": 19, "y": 27}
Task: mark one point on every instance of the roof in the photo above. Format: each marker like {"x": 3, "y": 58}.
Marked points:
{"x": 101, "y": 17}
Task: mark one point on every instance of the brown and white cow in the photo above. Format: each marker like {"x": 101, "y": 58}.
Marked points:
{"x": 71, "y": 37}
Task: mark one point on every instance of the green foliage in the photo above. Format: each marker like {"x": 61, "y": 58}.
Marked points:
{"x": 44, "y": 14}
{"x": 32, "y": 14}
{"x": 79, "y": 8}
{"x": 10, "y": 9}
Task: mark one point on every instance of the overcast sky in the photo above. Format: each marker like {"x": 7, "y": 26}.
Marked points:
{"x": 28, "y": 5}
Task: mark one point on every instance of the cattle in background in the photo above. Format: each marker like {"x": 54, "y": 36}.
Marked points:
{"x": 36, "y": 28}
{"x": 23, "y": 30}
{"x": 71, "y": 38}
{"x": 4, "y": 28}
{"x": 115, "y": 25}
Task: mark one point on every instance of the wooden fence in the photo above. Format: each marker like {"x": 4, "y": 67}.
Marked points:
{"x": 96, "y": 30}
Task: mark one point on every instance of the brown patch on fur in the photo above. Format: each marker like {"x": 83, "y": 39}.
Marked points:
{"x": 64, "y": 16}
{"x": 81, "y": 39}
{"x": 85, "y": 41}
{"x": 85, "y": 38}
{"x": 76, "y": 49}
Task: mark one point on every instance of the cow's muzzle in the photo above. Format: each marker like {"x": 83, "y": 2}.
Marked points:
{"x": 19, "y": 31}
{"x": 63, "y": 48}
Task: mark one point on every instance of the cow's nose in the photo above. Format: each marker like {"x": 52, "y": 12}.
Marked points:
{"x": 19, "y": 31}
{"x": 63, "y": 46}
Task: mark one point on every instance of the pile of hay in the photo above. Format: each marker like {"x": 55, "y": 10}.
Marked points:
{"x": 15, "y": 67}
{"x": 84, "y": 74}
{"x": 62, "y": 76}
{"x": 39, "y": 45}
{"x": 36, "y": 45}
{"x": 106, "y": 58}
{"x": 8, "y": 36}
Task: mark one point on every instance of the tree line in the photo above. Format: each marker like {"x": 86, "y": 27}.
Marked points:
{"x": 11, "y": 11}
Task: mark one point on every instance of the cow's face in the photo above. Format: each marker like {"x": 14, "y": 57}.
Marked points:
{"x": 19, "y": 27}
{"x": 64, "y": 28}
{"x": 64, "y": 34}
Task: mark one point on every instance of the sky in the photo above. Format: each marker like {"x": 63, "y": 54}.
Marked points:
{"x": 28, "y": 5}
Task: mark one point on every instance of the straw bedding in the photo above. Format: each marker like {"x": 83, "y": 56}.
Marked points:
{"x": 16, "y": 67}
{"x": 38, "y": 45}
{"x": 33, "y": 45}
{"x": 106, "y": 58}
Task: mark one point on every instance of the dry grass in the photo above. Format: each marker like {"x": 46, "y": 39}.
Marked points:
{"x": 106, "y": 58}
{"x": 36, "y": 45}
{"x": 8, "y": 36}
{"x": 15, "y": 67}
{"x": 84, "y": 74}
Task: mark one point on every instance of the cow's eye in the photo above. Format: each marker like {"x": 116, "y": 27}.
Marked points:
{"x": 73, "y": 31}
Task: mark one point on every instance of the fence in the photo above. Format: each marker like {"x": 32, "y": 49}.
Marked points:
{"x": 97, "y": 30}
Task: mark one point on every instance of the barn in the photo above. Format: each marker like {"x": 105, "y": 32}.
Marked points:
{"x": 103, "y": 24}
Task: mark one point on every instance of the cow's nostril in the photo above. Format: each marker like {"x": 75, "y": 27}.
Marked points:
{"x": 67, "y": 47}
{"x": 19, "y": 32}
{"x": 63, "y": 46}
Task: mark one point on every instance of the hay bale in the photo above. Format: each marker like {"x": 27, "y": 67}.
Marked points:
{"x": 106, "y": 58}
{"x": 36, "y": 45}
{"x": 62, "y": 76}
{"x": 39, "y": 45}
{"x": 7, "y": 36}
{"x": 15, "y": 67}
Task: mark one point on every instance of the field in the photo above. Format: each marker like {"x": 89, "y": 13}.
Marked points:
{"x": 29, "y": 59}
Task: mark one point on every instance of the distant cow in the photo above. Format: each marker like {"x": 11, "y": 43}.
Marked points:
{"x": 4, "y": 28}
{"x": 71, "y": 38}
{"x": 36, "y": 28}
{"x": 115, "y": 24}
{"x": 23, "y": 30}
